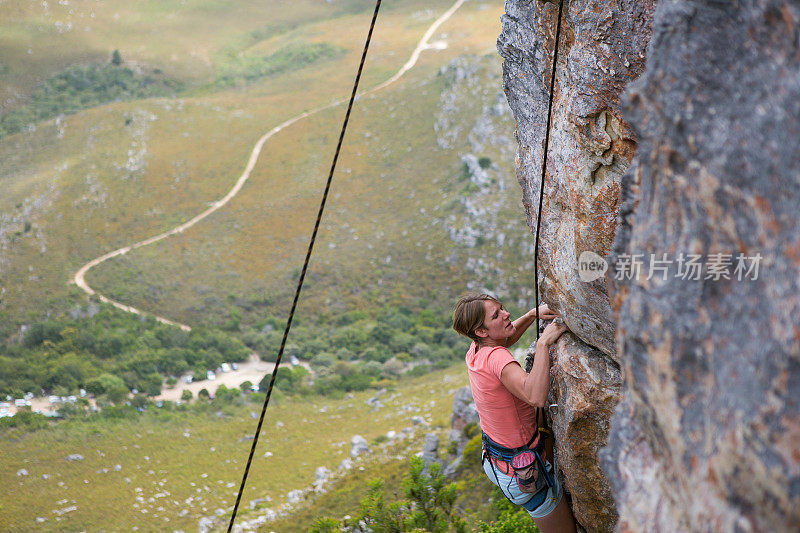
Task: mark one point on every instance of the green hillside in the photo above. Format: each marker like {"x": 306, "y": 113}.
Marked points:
{"x": 101, "y": 151}
{"x": 165, "y": 456}
{"x": 91, "y": 182}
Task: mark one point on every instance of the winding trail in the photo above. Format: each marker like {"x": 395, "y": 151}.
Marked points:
{"x": 80, "y": 276}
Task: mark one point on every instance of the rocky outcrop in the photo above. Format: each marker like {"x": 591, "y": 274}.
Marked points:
{"x": 602, "y": 48}
{"x": 707, "y": 436}
{"x": 462, "y": 421}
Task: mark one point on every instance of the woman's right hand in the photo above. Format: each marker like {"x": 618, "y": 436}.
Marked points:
{"x": 552, "y": 332}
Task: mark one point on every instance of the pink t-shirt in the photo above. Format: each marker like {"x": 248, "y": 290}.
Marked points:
{"x": 507, "y": 420}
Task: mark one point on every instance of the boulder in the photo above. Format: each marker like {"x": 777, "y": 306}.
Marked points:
{"x": 206, "y": 524}
{"x": 464, "y": 411}
{"x": 450, "y": 470}
{"x": 358, "y": 446}
{"x": 294, "y": 496}
{"x": 74, "y": 457}
{"x": 321, "y": 476}
{"x": 430, "y": 448}
{"x": 711, "y": 363}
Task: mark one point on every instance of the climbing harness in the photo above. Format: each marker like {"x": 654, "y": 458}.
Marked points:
{"x": 532, "y": 474}
{"x": 305, "y": 266}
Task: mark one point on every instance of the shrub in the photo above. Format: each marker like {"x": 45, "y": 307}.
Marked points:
{"x": 421, "y": 351}
{"x": 323, "y": 359}
{"x": 248, "y": 69}
{"x": 429, "y": 504}
{"x": 510, "y": 518}
{"x": 420, "y": 370}
{"x": 324, "y": 525}
{"x": 24, "y": 419}
{"x": 371, "y": 368}
{"x": 356, "y": 382}
{"x": 392, "y": 368}
{"x": 375, "y": 354}
{"x": 186, "y": 395}
{"x": 403, "y": 342}
{"x": 139, "y": 401}
{"x": 83, "y": 87}
{"x": 343, "y": 368}
{"x": 381, "y": 334}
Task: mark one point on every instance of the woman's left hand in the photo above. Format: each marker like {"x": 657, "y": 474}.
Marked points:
{"x": 544, "y": 313}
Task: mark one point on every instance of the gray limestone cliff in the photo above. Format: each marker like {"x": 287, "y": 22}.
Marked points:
{"x": 674, "y": 150}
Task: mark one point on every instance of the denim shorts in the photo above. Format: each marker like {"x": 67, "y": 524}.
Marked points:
{"x": 512, "y": 491}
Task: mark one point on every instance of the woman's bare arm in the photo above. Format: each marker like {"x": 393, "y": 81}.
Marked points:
{"x": 524, "y": 322}
{"x": 533, "y": 388}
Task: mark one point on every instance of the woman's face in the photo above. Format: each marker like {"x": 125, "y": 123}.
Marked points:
{"x": 497, "y": 324}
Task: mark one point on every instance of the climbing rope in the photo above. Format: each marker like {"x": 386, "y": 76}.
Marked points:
{"x": 529, "y": 361}
{"x": 305, "y": 267}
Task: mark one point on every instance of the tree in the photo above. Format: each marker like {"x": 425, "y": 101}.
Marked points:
{"x": 429, "y": 507}
{"x": 116, "y": 58}
{"x": 379, "y": 516}
{"x": 324, "y": 525}
{"x": 432, "y": 496}
{"x": 186, "y": 395}
{"x": 112, "y": 386}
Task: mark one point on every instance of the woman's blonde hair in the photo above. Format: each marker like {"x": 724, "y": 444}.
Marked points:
{"x": 469, "y": 314}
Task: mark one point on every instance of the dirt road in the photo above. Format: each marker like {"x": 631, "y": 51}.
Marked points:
{"x": 79, "y": 278}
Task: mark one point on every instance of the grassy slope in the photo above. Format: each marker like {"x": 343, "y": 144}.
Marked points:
{"x": 69, "y": 179}
{"x": 93, "y": 184}
{"x": 72, "y": 184}
{"x": 188, "y": 39}
{"x": 213, "y": 447}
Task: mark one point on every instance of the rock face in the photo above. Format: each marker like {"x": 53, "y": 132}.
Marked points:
{"x": 712, "y": 364}
{"x": 586, "y": 390}
{"x": 706, "y": 436}
{"x": 602, "y": 48}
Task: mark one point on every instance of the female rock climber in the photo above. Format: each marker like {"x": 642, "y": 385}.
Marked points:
{"x": 517, "y": 457}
